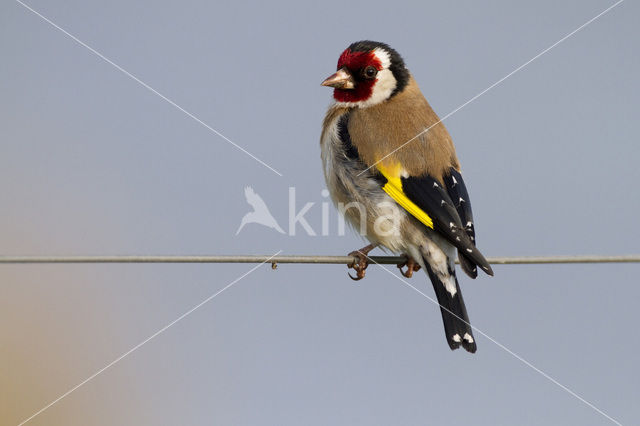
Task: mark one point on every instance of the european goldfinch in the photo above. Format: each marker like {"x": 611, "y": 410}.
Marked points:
{"x": 396, "y": 181}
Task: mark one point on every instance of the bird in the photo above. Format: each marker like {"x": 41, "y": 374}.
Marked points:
{"x": 260, "y": 213}
{"x": 391, "y": 168}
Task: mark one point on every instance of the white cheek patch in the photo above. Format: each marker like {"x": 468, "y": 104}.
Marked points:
{"x": 385, "y": 81}
{"x": 383, "y": 88}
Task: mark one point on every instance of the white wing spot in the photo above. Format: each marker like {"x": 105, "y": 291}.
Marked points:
{"x": 443, "y": 202}
{"x": 469, "y": 250}
{"x": 468, "y": 337}
{"x": 462, "y": 200}
{"x": 456, "y": 338}
{"x": 454, "y": 180}
{"x": 435, "y": 184}
{"x": 469, "y": 223}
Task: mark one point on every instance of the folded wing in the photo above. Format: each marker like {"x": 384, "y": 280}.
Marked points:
{"x": 431, "y": 203}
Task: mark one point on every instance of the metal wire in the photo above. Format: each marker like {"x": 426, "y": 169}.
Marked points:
{"x": 338, "y": 260}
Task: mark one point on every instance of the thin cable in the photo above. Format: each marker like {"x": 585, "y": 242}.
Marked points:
{"x": 331, "y": 260}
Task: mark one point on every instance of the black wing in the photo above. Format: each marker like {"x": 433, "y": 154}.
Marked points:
{"x": 460, "y": 197}
{"x": 434, "y": 200}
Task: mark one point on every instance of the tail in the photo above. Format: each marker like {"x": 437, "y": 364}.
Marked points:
{"x": 457, "y": 327}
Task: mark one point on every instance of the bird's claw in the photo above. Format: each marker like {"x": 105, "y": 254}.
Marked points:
{"x": 412, "y": 266}
{"x": 358, "y": 277}
{"x": 359, "y": 265}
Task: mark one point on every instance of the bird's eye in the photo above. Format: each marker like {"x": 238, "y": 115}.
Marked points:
{"x": 370, "y": 71}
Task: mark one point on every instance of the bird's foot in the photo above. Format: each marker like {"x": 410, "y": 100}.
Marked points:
{"x": 361, "y": 262}
{"x": 412, "y": 266}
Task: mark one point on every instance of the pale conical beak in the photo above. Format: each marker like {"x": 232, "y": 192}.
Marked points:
{"x": 342, "y": 79}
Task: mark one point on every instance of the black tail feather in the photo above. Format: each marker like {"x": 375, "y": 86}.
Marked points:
{"x": 454, "y": 313}
{"x": 467, "y": 265}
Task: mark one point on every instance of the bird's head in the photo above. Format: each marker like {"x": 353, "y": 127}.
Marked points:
{"x": 369, "y": 72}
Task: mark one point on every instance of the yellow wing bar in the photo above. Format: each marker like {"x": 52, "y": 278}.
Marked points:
{"x": 393, "y": 187}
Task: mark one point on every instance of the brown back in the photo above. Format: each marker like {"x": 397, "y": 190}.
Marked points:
{"x": 378, "y": 130}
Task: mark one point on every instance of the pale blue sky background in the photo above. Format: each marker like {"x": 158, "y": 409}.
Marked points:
{"x": 93, "y": 163}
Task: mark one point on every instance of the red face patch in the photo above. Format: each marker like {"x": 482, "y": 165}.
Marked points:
{"x": 355, "y": 62}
